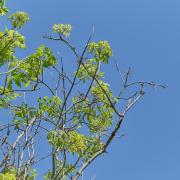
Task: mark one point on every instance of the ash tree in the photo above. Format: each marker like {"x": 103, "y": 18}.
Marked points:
{"x": 78, "y": 114}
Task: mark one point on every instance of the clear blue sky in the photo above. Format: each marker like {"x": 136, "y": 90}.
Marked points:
{"x": 144, "y": 34}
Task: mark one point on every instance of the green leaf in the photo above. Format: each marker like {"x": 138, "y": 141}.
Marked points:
{"x": 18, "y": 19}
{"x": 9, "y": 84}
{"x": 27, "y": 84}
{"x": 63, "y": 29}
{"x": 17, "y": 82}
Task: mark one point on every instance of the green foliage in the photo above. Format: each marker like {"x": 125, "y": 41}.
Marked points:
{"x": 93, "y": 110}
{"x": 75, "y": 123}
{"x": 23, "y": 113}
{"x": 94, "y": 144}
{"x": 75, "y": 142}
{"x": 18, "y": 19}
{"x": 10, "y": 40}
{"x": 98, "y": 112}
{"x": 46, "y": 55}
{"x": 7, "y": 176}
{"x": 30, "y": 69}
{"x": 3, "y": 9}
{"x": 100, "y": 50}
{"x": 62, "y": 29}
{"x": 50, "y": 106}
{"x": 7, "y": 98}
{"x": 72, "y": 141}
{"x": 32, "y": 174}
{"x": 12, "y": 175}
{"x": 89, "y": 70}
{"x": 98, "y": 93}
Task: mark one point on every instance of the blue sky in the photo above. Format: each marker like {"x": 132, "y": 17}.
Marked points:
{"x": 144, "y": 34}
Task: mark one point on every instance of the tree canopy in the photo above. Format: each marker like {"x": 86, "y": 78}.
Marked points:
{"x": 79, "y": 115}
